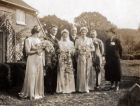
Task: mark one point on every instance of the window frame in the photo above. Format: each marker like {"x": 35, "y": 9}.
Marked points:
{"x": 20, "y": 21}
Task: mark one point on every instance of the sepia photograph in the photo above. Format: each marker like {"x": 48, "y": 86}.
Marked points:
{"x": 69, "y": 52}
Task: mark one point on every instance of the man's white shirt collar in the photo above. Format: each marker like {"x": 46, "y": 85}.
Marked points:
{"x": 52, "y": 36}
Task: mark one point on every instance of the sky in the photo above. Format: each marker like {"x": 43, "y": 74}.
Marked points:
{"x": 123, "y": 13}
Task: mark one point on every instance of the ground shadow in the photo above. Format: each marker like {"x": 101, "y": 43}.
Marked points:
{"x": 129, "y": 81}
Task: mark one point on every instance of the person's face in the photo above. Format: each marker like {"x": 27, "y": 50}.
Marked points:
{"x": 37, "y": 28}
{"x": 110, "y": 34}
{"x": 54, "y": 31}
{"x": 83, "y": 33}
{"x": 93, "y": 34}
{"x": 74, "y": 31}
{"x": 65, "y": 35}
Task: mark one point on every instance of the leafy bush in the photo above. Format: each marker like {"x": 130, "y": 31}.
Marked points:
{"x": 130, "y": 40}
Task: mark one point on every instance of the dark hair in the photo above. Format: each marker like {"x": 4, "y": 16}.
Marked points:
{"x": 111, "y": 30}
{"x": 35, "y": 30}
{"x": 53, "y": 26}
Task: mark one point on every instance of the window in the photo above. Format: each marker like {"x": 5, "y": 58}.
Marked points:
{"x": 20, "y": 17}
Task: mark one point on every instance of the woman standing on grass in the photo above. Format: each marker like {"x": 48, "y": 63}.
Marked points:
{"x": 65, "y": 75}
{"x": 113, "y": 52}
{"x": 34, "y": 80}
{"x": 84, "y": 47}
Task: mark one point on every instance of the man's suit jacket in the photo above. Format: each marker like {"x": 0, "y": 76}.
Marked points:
{"x": 72, "y": 39}
{"x": 99, "y": 51}
{"x": 51, "y": 59}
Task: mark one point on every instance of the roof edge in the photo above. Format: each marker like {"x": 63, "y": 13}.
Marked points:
{"x": 35, "y": 10}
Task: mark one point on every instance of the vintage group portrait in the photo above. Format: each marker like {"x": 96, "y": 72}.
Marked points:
{"x": 69, "y": 53}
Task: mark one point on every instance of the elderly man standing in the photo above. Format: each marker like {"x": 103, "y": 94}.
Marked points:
{"x": 97, "y": 56}
{"x": 73, "y": 36}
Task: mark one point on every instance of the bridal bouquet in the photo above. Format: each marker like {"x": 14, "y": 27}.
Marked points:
{"x": 48, "y": 46}
{"x": 65, "y": 55}
{"x": 44, "y": 45}
{"x": 83, "y": 49}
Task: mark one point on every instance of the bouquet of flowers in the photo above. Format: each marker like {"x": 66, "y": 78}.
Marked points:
{"x": 83, "y": 49}
{"x": 44, "y": 45}
{"x": 65, "y": 56}
{"x": 38, "y": 48}
{"x": 48, "y": 46}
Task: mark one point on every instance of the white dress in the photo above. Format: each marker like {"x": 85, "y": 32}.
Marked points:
{"x": 85, "y": 73}
{"x": 34, "y": 79}
{"x": 65, "y": 74}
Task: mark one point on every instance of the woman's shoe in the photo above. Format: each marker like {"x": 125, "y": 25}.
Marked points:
{"x": 97, "y": 87}
{"x": 112, "y": 86}
{"x": 87, "y": 91}
{"x": 22, "y": 96}
{"x": 117, "y": 88}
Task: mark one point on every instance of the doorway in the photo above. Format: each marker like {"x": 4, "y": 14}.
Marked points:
{"x": 2, "y": 47}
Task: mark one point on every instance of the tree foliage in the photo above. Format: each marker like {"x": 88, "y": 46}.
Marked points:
{"x": 130, "y": 40}
{"x": 93, "y": 20}
{"x": 52, "y": 19}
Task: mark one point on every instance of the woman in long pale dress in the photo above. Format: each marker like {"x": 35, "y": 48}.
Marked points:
{"x": 84, "y": 47}
{"x": 34, "y": 80}
{"x": 65, "y": 75}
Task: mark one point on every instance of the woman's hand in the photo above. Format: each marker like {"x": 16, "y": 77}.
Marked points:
{"x": 39, "y": 51}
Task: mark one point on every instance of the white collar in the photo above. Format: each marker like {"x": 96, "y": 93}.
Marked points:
{"x": 73, "y": 36}
{"x": 84, "y": 38}
{"x": 52, "y": 36}
{"x": 94, "y": 39}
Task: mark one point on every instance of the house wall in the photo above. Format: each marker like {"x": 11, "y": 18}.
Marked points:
{"x": 11, "y": 11}
{"x": 22, "y": 31}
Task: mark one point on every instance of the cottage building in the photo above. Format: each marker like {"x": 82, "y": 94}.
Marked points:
{"x": 16, "y": 21}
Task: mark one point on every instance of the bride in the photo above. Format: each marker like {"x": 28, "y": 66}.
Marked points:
{"x": 65, "y": 75}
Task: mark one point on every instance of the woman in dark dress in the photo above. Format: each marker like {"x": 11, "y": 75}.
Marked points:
{"x": 113, "y": 53}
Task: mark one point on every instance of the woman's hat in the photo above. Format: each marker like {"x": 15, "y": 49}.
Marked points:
{"x": 113, "y": 30}
{"x": 64, "y": 31}
{"x": 83, "y": 28}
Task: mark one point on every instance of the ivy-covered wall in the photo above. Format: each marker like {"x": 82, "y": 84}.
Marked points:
{"x": 21, "y": 31}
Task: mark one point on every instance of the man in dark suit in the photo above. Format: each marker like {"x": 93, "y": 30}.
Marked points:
{"x": 51, "y": 61}
{"x": 73, "y": 38}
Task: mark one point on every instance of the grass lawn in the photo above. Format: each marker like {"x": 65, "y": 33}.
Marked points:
{"x": 104, "y": 97}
